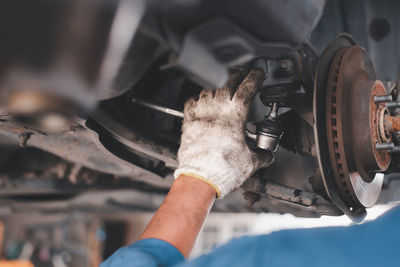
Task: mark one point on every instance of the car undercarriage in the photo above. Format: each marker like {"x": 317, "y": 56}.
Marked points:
{"x": 92, "y": 96}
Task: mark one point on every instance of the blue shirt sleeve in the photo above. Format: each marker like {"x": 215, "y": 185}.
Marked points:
{"x": 146, "y": 252}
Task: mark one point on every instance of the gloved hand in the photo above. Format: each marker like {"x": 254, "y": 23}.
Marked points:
{"x": 213, "y": 143}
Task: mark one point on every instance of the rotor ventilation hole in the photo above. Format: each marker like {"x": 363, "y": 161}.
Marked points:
{"x": 334, "y": 129}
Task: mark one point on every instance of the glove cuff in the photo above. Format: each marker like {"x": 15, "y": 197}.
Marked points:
{"x": 192, "y": 173}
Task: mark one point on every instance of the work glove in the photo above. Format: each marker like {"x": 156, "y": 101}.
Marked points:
{"x": 213, "y": 143}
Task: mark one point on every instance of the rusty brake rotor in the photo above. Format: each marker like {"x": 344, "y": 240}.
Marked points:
{"x": 352, "y": 127}
{"x": 348, "y": 125}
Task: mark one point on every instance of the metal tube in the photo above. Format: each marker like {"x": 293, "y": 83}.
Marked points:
{"x": 384, "y": 146}
{"x": 392, "y": 105}
{"x": 274, "y": 111}
{"x": 162, "y": 109}
{"x": 382, "y": 99}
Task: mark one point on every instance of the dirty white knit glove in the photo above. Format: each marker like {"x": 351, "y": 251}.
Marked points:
{"x": 213, "y": 143}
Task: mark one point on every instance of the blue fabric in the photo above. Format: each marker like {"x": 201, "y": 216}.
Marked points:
{"x": 146, "y": 252}
{"x": 371, "y": 244}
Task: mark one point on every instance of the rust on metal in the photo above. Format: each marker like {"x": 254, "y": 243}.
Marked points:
{"x": 377, "y": 121}
{"x": 334, "y": 131}
{"x": 352, "y": 123}
{"x": 394, "y": 123}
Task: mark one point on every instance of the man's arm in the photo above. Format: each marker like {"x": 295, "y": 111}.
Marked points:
{"x": 181, "y": 216}
{"x": 172, "y": 232}
{"x": 214, "y": 159}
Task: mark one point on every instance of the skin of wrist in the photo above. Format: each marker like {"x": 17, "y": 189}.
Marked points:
{"x": 194, "y": 184}
{"x": 181, "y": 216}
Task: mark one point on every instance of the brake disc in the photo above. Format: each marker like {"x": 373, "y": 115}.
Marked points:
{"x": 352, "y": 127}
{"x": 347, "y": 127}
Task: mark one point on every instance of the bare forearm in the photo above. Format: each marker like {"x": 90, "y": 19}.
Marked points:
{"x": 181, "y": 216}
